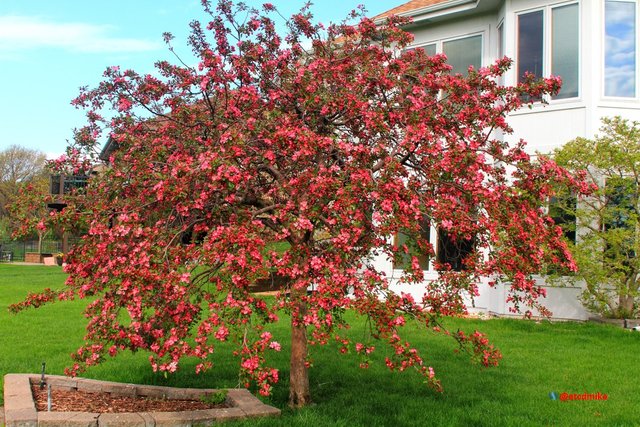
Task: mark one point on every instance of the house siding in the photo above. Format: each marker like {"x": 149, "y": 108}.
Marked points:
{"x": 544, "y": 127}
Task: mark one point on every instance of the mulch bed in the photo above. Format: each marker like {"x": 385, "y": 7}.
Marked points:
{"x": 82, "y": 401}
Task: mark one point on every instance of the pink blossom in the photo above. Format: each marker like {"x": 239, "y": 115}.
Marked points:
{"x": 222, "y": 333}
{"x": 274, "y": 345}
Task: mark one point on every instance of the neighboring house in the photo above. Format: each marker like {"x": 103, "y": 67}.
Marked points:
{"x": 60, "y": 186}
{"x": 591, "y": 44}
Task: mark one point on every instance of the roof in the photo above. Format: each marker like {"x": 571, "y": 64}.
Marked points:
{"x": 108, "y": 148}
{"x": 409, "y": 6}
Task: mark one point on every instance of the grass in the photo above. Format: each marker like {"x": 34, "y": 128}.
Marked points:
{"x": 539, "y": 358}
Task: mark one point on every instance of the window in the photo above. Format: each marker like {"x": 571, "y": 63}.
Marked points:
{"x": 501, "y": 40}
{"x": 74, "y": 182}
{"x": 501, "y": 48}
{"x": 403, "y": 260}
{"x": 564, "y": 48}
{"x": 556, "y": 30}
{"x": 620, "y": 220}
{"x": 453, "y": 250}
{"x": 56, "y": 187}
{"x": 620, "y": 203}
{"x": 562, "y": 209}
{"x": 530, "y": 44}
{"x": 620, "y": 49}
{"x": 461, "y": 52}
{"x": 430, "y": 49}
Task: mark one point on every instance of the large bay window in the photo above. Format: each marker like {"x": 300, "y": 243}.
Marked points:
{"x": 620, "y": 48}
{"x": 548, "y": 44}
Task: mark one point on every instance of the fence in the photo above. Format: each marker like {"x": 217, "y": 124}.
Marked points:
{"x": 14, "y": 251}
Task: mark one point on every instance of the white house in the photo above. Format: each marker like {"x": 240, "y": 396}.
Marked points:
{"x": 591, "y": 44}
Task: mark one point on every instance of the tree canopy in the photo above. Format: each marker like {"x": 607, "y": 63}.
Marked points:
{"x": 21, "y": 170}
{"x": 298, "y": 156}
{"x": 18, "y": 166}
{"x": 606, "y": 244}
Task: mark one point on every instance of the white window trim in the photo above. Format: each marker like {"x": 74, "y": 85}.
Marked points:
{"x": 501, "y": 47}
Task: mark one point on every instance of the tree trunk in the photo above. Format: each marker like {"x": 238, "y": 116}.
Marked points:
{"x": 625, "y": 306}
{"x": 299, "y": 375}
{"x": 65, "y": 242}
{"x": 40, "y": 235}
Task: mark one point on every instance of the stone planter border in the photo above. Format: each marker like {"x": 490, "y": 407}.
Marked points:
{"x": 623, "y": 323}
{"x": 20, "y": 409}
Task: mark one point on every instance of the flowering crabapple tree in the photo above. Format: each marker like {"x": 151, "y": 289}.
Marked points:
{"x": 298, "y": 156}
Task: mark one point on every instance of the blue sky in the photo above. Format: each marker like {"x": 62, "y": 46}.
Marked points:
{"x": 48, "y": 49}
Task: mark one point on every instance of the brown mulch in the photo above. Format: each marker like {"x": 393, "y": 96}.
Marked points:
{"x": 82, "y": 401}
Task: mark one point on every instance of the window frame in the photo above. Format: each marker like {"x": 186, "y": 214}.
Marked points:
{"x": 547, "y": 44}
{"x": 501, "y": 48}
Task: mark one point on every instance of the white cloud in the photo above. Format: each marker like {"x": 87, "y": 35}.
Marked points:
{"x": 620, "y": 81}
{"x": 619, "y": 14}
{"x": 53, "y": 155}
{"x": 621, "y": 51}
{"x": 18, "y": 33}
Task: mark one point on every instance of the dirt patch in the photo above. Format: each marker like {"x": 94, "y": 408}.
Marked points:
{"x": 84, "y": 401}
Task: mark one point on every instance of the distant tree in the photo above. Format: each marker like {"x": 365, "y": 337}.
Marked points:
{"x": 19, "y": 166}
{"x": 28, "y": 211}
{"x": 273, "y": 158}
{"x": 5, "y": 229}
{"x": 607, "y": 230}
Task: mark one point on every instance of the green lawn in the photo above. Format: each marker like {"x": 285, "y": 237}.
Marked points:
{"x": 538, "y": 359}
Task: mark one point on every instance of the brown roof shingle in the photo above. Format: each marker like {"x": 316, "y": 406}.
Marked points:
{"x": 408, "y": 7}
